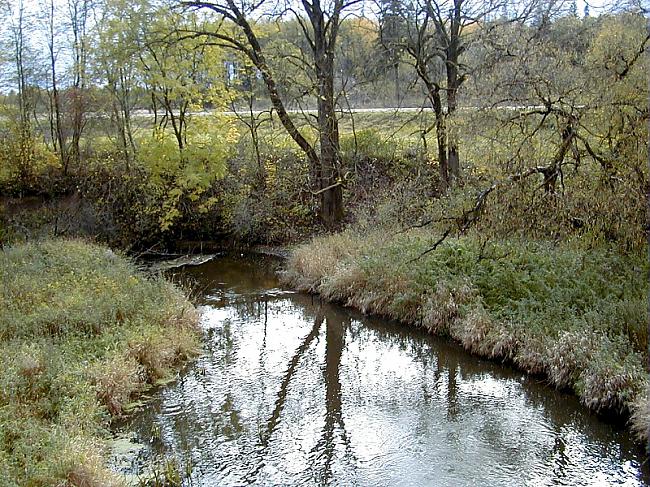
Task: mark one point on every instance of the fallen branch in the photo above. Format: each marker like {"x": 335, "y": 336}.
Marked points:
{"x": 435, "y": 246}
{"x": 470, "y": 216}
{"x": 331, "y": 186}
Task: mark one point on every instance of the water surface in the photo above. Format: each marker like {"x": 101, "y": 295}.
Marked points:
{"x": 295, "y": 391}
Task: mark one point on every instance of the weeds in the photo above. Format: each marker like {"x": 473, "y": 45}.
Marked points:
{"x": 83, "y": 333}
{"x": 577, "y": 317}
{"x": 165, "y": 473}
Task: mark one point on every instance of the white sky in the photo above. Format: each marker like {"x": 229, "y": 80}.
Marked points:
{"x": 595, "y": 5}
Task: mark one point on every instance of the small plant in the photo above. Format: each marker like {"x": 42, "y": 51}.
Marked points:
{"x": 163, "y": 473}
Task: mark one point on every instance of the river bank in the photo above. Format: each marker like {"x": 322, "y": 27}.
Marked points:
{"x": 84, "y": 333}
{"x": 577, "y": 318}
{"x": 293, "y": 390}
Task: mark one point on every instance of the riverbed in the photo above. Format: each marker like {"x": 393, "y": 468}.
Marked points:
{"x": 291, "y": 390}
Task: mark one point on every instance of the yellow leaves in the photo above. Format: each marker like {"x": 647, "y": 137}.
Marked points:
{"x": 169, "y": 216}
{"x": 207, "y": 205}
{"x": 22, "y": 152}
{"x": 233, "y": 135}
{"x": 175, "y": 193}
{"x": 188, "y": 174}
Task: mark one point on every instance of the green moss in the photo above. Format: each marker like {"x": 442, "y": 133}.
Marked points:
{"x": 83, "y": 332}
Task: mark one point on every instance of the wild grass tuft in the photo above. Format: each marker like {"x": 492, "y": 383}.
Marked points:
{"x": 83, "y": 332}
{"x": 310, "y": 265}
{"x": 640, "y": 419}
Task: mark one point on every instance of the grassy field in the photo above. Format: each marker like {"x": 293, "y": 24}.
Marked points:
{"x": 577, "y": 317}
{"x": 83, "y": 332}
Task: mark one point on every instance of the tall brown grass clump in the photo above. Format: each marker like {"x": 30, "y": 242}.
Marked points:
{"x": 640, "y": 418}
{"x": 310, "y": 265}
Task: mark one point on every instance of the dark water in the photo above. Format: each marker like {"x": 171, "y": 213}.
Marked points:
{"x": 292, "y": 391}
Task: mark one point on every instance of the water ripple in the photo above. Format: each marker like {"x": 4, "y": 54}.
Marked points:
{"x": 291, "y": 391}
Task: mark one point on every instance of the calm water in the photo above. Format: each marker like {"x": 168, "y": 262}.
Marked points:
{"x": 292, "y": 391}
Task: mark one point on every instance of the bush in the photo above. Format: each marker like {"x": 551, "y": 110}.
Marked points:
{"x": 26, "y": 165}
{"x": 269, "y": 201}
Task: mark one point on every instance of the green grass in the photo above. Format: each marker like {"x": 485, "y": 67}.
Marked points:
{"x": 83, "y": 332}
{"x": 578, "y": 317}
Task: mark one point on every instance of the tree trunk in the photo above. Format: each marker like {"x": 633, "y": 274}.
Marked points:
{"x": 441, "y": 139}
{"x": 453, "y": 83}
{"x": 79, "y": 11}
{"x": 57, "y": 125}
{"x": 433, "y": 92}
{"x": 397, "y": 91}
{"x": 552, "y": 172}
{"x": 120, "y": 126}
{"x": 24, "y": 99}
{"x": 77, "y": 116}
{"x": 453, "y": 157}
{"x": 325, "y": 169}
{"x": 121, "y": 93}
{"x": 332, "y": 194}
{"x": 256, "y": 55}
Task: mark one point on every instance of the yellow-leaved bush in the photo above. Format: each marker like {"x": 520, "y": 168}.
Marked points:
{"x": 180, "y": 175}
{"x": 24, "y": 159}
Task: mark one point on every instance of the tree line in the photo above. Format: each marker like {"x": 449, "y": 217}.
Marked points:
{"x": 530, "y": 67}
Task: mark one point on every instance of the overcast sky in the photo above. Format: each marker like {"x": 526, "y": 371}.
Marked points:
{"x": 595, "y": 5}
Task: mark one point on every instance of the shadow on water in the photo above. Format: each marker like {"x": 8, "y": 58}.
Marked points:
{"x": 294, "y": 391}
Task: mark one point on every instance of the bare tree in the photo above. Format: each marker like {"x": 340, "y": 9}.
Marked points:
{"x": 319, "y": 21}
{"x": 391, "y": 29}
{"x": 79, "y": 12}
{"x": 438, "y": 35}
{"x": 116, "y": 61}
{"x": 57, "y": 133}
{"x": 18, "y": 40}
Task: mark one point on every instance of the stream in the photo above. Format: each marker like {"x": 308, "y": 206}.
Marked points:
{"x": 294, "y": 391}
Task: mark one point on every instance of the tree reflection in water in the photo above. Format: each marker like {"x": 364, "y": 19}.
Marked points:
{"x": 284, "y": 386}
{"x": 295, "y": 391}
{"x": 325, "y": 448}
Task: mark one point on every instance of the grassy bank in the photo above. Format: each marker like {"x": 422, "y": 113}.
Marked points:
{"x": 83, "y": 332}
{"x": 577, "y": 317}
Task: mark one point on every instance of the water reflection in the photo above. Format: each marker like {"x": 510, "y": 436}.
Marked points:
{"x": 293, "y": 391}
